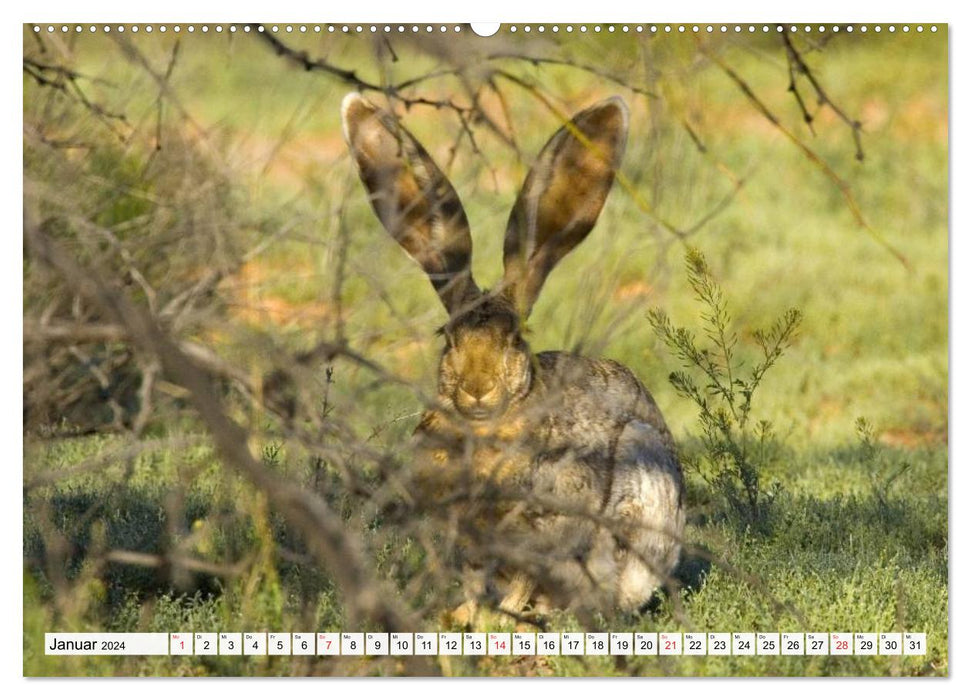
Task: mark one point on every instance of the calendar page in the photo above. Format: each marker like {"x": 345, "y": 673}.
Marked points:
{"x": 524, "y": 349}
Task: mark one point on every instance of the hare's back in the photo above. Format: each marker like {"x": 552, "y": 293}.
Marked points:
{"x": 591, "y": 400}
{"x": 609, "y": 452}
{"x": 605, "y": 440}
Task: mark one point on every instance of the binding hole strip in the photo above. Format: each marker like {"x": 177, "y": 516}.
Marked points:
{"x": 484, "y": 29}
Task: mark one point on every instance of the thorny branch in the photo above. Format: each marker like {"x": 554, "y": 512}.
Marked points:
{"x": 336, "y": 548}
{"x": 65, "y": 81}
{"x": 798, "y": 66}
{"x": 809, "y": 153}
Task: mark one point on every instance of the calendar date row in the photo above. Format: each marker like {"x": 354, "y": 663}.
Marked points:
{"x": 489, "y": 643}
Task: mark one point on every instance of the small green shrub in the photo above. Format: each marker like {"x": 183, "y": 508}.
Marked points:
{"x": 736, "y": 447}
{"x": 883, "y": 473}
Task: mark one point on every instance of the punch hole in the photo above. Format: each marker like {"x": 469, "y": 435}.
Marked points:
{"x": 485, "y": 28}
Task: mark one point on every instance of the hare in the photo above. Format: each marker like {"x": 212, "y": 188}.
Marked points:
{"x": 574, "y": 493}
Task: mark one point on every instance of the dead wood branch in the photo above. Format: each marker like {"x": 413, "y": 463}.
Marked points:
{"x": 336, "y": 549}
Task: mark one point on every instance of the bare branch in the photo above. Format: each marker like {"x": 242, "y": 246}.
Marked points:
{"x": 586, "y": 68}
{"x": 336, "y": 548}
{"x": 158, "y": 561}
{"x": 797, "y": 63}
{"x": 840, "y": 183}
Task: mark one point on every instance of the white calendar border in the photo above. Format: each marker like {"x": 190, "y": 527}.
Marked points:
{"x": 11, "y": 586}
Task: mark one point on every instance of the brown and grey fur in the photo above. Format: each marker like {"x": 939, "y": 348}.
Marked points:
{"x": 570, "y": 468}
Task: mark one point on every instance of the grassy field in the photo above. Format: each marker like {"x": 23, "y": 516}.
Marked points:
{"x": 250, "y": 154}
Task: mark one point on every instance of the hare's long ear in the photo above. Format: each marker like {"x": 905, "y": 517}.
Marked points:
{"x": 562, "y": 197}
{"x": 412, "y": 198}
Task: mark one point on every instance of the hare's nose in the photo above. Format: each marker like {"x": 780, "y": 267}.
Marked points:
{"x": 478, "y": 391}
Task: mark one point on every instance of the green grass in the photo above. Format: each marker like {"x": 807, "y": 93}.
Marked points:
{"x": 847, "y": 549}
{"x": 842, "y": 555}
